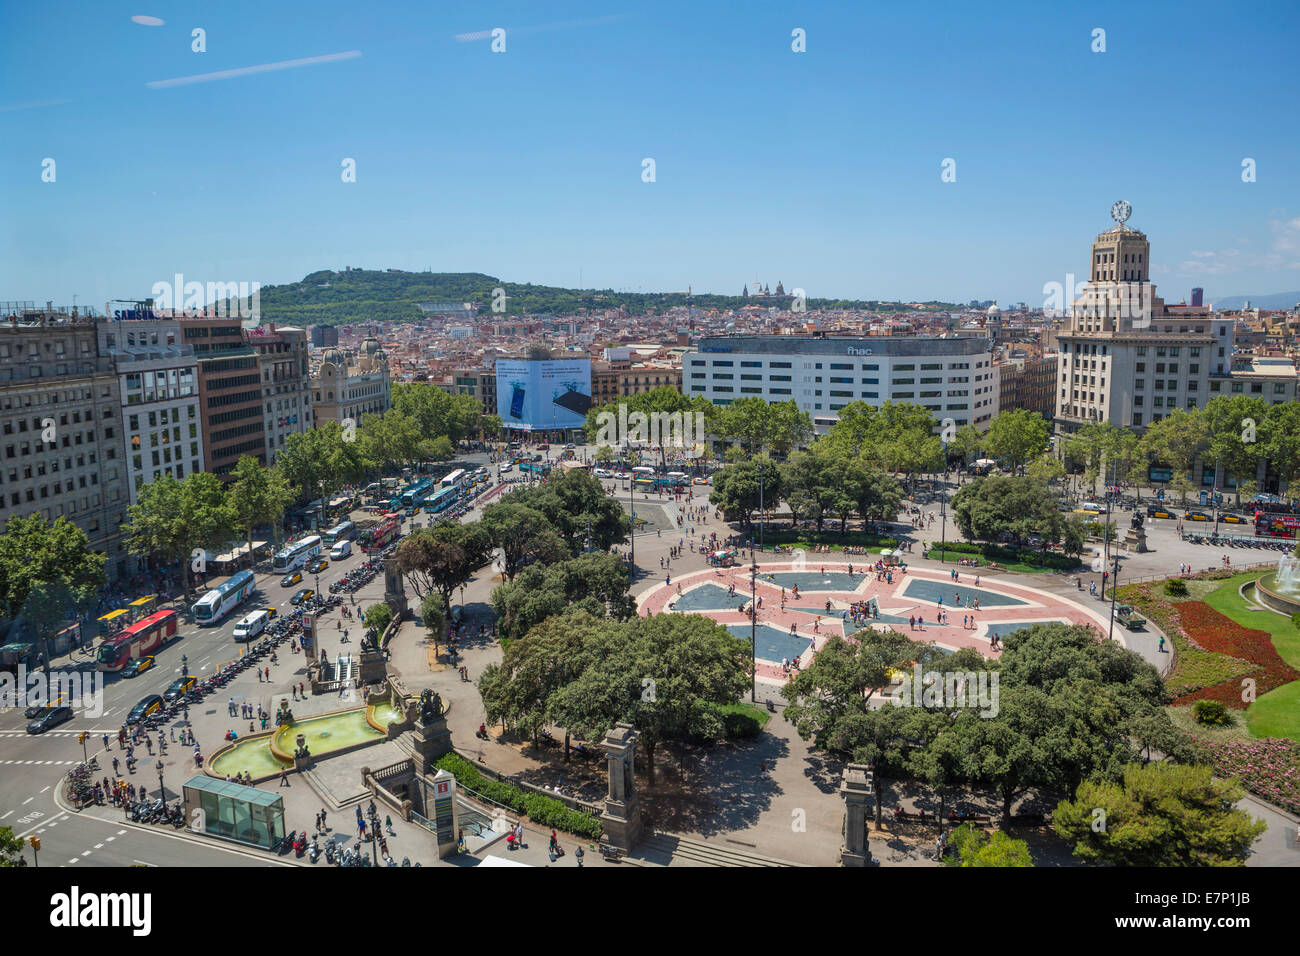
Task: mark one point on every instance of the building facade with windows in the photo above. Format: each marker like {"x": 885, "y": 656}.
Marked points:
{"x": 1128, "y": 358}
{"x": 158, "y": 380}
{"x": 341, "y": 393}
{"x": 283, "y": 362}
{"x": 230, "y": 391}
{"x": 953, "y": 377}
{"x": 60, "y": 415}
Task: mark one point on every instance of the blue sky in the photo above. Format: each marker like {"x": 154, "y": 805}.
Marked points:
{"x": 819, "y": 169}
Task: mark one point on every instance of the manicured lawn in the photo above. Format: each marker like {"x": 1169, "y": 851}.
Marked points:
{"x": 1019, "y": 567}
{"x": 1277, "y": 713}
{"x": 760, "y": 714}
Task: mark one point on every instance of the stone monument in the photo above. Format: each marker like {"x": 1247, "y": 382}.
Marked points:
{"x": 1136, "y": 538}
{"x": 431, "y": 738}
{"x": 622, "y": 816}
{"x": 373, "y": 668}
{"x": 395, "y": 589}
{"x": 857, "y": 791}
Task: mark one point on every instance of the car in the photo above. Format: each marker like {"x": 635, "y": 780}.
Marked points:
{"x": 603, "y": 473}
{"x": 317, "y": 566}
{"x": 1232, "y": 519}
{"x": 48, "y": 718}
{"x": 1159, "y": 511}
{"x": 138, "y": 666}
{"x": 411, "y": 512}
{"x": 146, "y": 707}
{"x": 290, "y": 579}
{"x": 1197, "y": 516}
{"x": 179, "y": 688}
{"x": 700, "y": 481}
{"x": 306, "y": 594}
{"x": 506, "y": 469}
{"x": 543, "y": 447}
{"x": 570, "y": 446}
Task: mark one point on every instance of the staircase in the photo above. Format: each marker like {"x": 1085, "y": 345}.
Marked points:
{"x": 666, "y": 850}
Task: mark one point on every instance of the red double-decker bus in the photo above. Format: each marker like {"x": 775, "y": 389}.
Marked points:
{"x": 139, "y": 640}
{"x": 1274, "y": 525}
{"x": 382, "y": 533}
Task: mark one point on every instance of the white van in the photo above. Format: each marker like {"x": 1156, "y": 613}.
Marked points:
{"x": 340, "y": 550}
{"x": 251, "y": 625}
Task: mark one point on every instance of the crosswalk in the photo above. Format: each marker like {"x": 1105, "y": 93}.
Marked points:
{"x": 37, "y": 763}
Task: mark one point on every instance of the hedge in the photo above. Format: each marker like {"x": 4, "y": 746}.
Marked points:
{"x": 544, "y": 811}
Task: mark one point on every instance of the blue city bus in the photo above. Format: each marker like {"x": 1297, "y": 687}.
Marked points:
{"x": 415, "y": 492}
{"x": 441, "y": 501}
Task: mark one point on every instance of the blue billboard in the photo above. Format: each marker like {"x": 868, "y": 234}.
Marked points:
{"x": 541, "y": 395}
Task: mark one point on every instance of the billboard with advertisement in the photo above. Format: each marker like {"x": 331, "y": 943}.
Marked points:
{"x": 540, "y": 395}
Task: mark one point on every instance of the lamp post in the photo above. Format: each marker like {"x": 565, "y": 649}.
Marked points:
{"x": 162, "y": 794}
{"x": 762, "y": 513}
{"x": 631, "y": 503}
{"x": 753, "y": 633}
{"x": 1114, "y": 589}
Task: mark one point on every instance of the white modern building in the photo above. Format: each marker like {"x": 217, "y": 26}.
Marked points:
{"x": 951, "y": 376}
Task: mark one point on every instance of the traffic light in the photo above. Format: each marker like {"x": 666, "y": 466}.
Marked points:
{"x": 81, "y": 737}
{"x": 35, "y": 842}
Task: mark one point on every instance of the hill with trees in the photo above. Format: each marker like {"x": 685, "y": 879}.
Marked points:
{"x": 355, "y": 295}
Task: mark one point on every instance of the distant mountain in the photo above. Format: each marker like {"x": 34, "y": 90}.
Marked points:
{"x": 1278, "y": 300}
{"x": 359, "y": 295}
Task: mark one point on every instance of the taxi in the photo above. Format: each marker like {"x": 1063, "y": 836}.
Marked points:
{"x": 147, "y": 707}
{"x": 180, "y": 687}
{"x": 289, "y": 580}
{"x": 1159, "y": 511}
{"x": 1232, "y": 519}
{"x": 317, "y": 566}
{"x": 1197, "y": 516}
{"x": 306, "y": 594}
{"x": 138, "y": 666}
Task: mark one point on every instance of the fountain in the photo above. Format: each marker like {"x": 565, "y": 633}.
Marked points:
{"x": 1280, "y": 589}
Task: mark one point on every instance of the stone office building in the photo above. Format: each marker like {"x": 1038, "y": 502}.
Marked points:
{"x": 158, "y": 379}
{"x": 60, "y": 414}
{"x": 286, "y": 383}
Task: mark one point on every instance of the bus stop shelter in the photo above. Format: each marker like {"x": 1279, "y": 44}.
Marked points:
{"x": 244, "y": 814}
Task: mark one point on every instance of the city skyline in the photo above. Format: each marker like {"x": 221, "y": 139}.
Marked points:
{"x": 822, "y": 169}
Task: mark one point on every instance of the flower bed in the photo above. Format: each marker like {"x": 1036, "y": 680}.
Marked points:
{"x": 1194, "y": 667}
{"x": 1220, "y": 634}
{"x": 1268, "y": 768}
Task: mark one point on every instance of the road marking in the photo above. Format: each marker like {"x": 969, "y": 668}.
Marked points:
{"x": 7, "y": 815}
{"x": 86, "y": 852}
{"x": 28, "y": 800}
{"x": 120, "y": 832}
{"x": 144, "y": 863}
{"x": 73, "y": 860}
{"x": 45, "y": 789}
{"x": 99, "y": 846}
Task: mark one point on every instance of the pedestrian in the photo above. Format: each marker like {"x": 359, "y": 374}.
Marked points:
{"x": 284, "y": 777}
{"x": 1162, "y": 644}
{"x": 105, "y": 741}
{"x": 578, "y": 855}
{"x": 301, "y": 693}
{"x": 318, "y": 823}
{"x": 323, "y": 824}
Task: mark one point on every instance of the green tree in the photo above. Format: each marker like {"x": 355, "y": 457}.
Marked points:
{"x": 666, "y": 675}
{"x": 1016, "y": 437}
{"x": 523, "y": 534}
{"x": 1280, "y": 433}
{"x": 595, "y": 582}
{"x": 1160, "y": 815}
{"x": 247, "y": 496}
{"x": 1237, "y": 426}
{"x": 967, "y": 443}
{"x": 736, "y": 490}
{"x": 319, "y": 460}
{"x": 377, "y": 617}
{"x": 1177, "y": 441}
{"x": 433, "y": 615}
{"x": 977, "y": 848}
{"x": 46, "y": 571}
{"x": 575, "y": 505}
{"x": 11, "y": 848}
{"x": 177, "y": 519}
{"x": 442, "y": 558}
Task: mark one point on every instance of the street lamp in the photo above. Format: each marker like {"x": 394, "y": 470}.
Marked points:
{"x": 162, "y": 794}
{"x": 762, "y": 514}
{"x": 753, "y": 633}
{"x": 1114, "y": 590}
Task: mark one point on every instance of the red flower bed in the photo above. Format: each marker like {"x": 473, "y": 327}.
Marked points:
{"x": 1220, "y": 634}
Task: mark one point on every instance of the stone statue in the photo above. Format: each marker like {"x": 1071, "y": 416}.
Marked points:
{"x": 430, "y": 705}
{"x": 1137, "y": 520}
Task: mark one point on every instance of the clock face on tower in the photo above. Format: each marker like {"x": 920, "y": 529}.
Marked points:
{"x": 1120, "y": 211}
